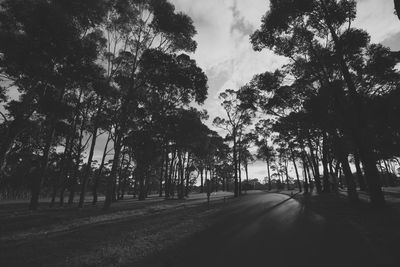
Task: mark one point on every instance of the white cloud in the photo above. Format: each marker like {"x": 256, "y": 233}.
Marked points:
{"x": 378, "y": 18}
{"x": 224, "y": 49}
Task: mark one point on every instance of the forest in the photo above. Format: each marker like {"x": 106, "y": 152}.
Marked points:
{"x": 102, "y": 98}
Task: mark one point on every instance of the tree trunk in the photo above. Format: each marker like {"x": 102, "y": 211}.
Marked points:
{"x": 166, "y": 167}
{"x": 77, "y": 163}
{"x": 269, "y": 176}
{"x": 5, "y": 149}
{"x": 239, "y": 165}
{"x": 201, "y": 180}
{"x": 187, "y": 174}
{"x": 175, "y": 183}
{"x": 169, "y": 181}
{"x": 310, "y": 182}
{"x": 340, "y": 175}
{"x": 181, "y": 176}
{"x": 160, "y": 192}
{"x": 343, "y": 158}
{"x": 296, "y": 171}
{"x": 306, "y": 184}
{"x": 121, "y": 177}
{"x": 43, "y": 167}
{"x": 236, "y": 182}
{"x": 360, "y": 176}
{"x": 85, "y": 176}
{"x": 58, "y": 183}
{"x": 315, "y": 165}
{"x": 247, "y": 172}
{"x": 327, "y": 184}
{"x": 287, "y": 175}
{"x": 113, "y": 173}
{"x": 98, "y": 174}
{"x": 351, "y": 185}
{"x": 142, "y": 175}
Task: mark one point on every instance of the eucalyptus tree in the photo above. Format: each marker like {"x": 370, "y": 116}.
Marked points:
{"x": 287, "y": 20}
{"x": 278, "y": 97}
{"x": 171, "y": 83}
{"x": 217, "y": 155}
{"x": 136, "y": 27}
{"x": 238, "y": 116}
{"x": 47, "y": 50}
{"x": 189, "y": 130}
{"x": 326, "y": 106}
{"x": 145, "y": 149}
{"x": 222, "y": 158}
{"x": 17, "y": 179}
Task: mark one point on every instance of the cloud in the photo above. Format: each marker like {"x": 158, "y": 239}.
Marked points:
{"x": 393, "y": 41}
{"x": 219, "y": 74}
{"x": 224, "y": 50}
{"x": 377, "y": 18}
{"x": 240, "y": 24}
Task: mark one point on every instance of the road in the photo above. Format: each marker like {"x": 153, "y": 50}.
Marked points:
{"x": 271, "y": 230}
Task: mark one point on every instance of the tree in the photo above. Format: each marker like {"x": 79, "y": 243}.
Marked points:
{"x": 238, "y": 115}
{"x": 143, "y": 29}
{"x": 44, "y": 55}
{"x": 397, "y": 7}
{"x": 288, "y": 22}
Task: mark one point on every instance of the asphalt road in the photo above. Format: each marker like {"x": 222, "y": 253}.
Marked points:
{"x": 271, "y": 230}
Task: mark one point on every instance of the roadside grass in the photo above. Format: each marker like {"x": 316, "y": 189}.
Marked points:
{"x": 141, "y": 242}
{"x": 129, "y": 231}
{"x": 17, "y": 223}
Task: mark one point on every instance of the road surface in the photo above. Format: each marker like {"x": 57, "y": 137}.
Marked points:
{"x": 271, "y": 230}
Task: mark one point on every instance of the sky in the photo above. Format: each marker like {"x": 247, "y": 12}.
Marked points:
{"x": 225, "y": 54}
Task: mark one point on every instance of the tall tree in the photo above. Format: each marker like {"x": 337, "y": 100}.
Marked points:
{"x": 137, "y": 26}
{"x": 47, "y": 49}
{"x": 287, "y": 19}
{"x": 238, "y": 115}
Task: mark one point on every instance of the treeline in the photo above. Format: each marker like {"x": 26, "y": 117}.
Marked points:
{"x": 105, "y": 79}
{"x": 334, "y": 104}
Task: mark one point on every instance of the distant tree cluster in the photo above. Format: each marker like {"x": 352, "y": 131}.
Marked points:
{"x": 74, "y": 72}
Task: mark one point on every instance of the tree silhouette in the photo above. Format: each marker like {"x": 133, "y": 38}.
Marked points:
{"x": 147, "y": 31}
{"x": 397, "y": 7}
{"x": 293, "y": 29}
{"x": 45, "y": 56}
{"x": 238, "y": 116}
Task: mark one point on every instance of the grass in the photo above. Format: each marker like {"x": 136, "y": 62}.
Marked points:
{"x": 141, "y": 242}
{"x": 127, "y": 232}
